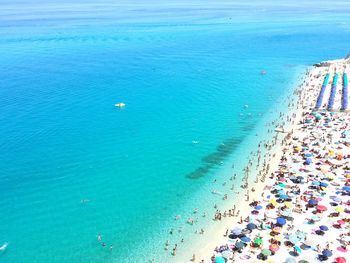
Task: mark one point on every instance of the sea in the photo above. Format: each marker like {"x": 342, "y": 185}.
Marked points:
{"x": 198, "y": 79}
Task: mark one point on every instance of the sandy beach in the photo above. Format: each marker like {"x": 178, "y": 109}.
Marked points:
{"x": 307, "y": 160}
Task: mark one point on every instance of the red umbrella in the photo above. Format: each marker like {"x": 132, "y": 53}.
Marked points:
{"x": 340, "y": 260}
{"x": 340, "y": 222}
{"x": 321, "y": 208}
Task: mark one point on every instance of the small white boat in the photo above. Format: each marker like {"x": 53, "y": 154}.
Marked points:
{"x": 120, "y": 105}
{"x": 4, "y": 246}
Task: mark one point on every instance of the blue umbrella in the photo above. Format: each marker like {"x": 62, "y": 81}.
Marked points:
{"x": 312, "y": 202}
{"x": 284, "y": 196}
{"x": 316, "y": 183}
{"x": 308, "y": 155}
{"x": 281, "y": 221}
{"x": 324, "y": 228}
{"x": 258, "y": 207}
{"x": 327, "y": 253}
{"x": 251, "y": 226}
{"x": 323, "y": 184}
{"x": 337, "y": 199}
{"x": 346, "y": 188}
{"x": 308, "y": 161}
{"x": 245, "y": 239}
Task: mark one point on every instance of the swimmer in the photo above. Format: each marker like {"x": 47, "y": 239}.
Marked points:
{"x": 99, "y": 237}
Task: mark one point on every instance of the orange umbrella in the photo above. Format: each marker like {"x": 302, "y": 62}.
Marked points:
{"x": 274, "y": 247}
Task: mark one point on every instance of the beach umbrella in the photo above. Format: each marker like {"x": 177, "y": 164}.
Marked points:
{"x": 227, "y": 254}
{"x": 288, "y": 204}
{"x": 340, "y": 222}
{"x": 315, "y": 183}
{"x": 236, "y": 231}
{"x": 274, "y": 247}
{"x": 219, "y": 259}
{"x": 266, "y": 252}
{"x": 308, "y": 161}
{"x": 312, "y": 202}
{"x": 346, "y": 188}
{"x": 298, "y": 249}
{"x": 301, "y": 235}
{"x": 286, "y": 212}
{"x": 324, "y": 228}
{"x": 321, "y": 208}
{"x": 339, "y": 209}
{"x": 336, "y": 199}
{"x": 258, "y": 241}
{"x": 251, "y": 226}
{"x": 327, "y": 253}
{"x": 239, "y": 245}
{"x": 293, "y": 238}
{"x": 315, "y": 218}
{"x": 340, "y": 260}
{"x": 283, "y": 196}
{"x": 281, "y": 221}
{"x": 274, "y": 202}
{"x": 290, "y": 260}
{"x": 277, "y": 229}
{"x": 303, "y": 261}
{"x": 342, "y": 249}
{"x": 323, "y": 184}
{"x": 245, "y": 239}
{"x": 258, "y": 207}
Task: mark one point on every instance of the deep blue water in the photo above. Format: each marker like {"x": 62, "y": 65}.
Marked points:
{"x": 184, "y": 69}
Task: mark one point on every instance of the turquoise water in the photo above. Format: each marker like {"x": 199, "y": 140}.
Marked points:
{"x": 185, "y": 70}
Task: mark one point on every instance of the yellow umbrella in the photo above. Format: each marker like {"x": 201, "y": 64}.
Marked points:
{"x": 288, "y": 204}
{"x": 339, "y": 209}
{"x": 330, "y": 176}
{"x": 279, "y": 238}
{"x": 274, "y": 202}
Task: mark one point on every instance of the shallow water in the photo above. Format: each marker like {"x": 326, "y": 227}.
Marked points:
{"x": 185, "y": 70}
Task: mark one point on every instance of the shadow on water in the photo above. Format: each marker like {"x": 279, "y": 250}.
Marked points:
{"x": 216, "y": 158}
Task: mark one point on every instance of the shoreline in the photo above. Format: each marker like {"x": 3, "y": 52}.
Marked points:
{"x": 308, "y": 89}
{"x": 212, "y": 227}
